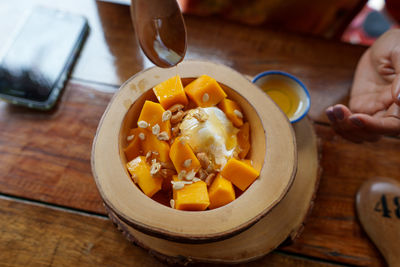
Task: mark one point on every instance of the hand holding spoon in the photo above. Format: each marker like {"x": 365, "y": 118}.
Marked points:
{"x": 160, "y": 30}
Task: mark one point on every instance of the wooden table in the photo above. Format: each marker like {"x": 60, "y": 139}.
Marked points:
{"x": 50, "y": 210}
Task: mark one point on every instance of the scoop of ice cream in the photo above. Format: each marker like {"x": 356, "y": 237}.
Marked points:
{"x": 209, "y": 130}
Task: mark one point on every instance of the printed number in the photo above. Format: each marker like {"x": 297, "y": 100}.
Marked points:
{"x": 396, "y": 201}
{"x": 381, "y": 206}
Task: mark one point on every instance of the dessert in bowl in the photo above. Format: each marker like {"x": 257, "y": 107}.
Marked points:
{"x": 272, "y": 153}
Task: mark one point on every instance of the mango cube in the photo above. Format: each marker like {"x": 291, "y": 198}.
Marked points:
{"x": 134, "y": 146}
{"x": 221, "y": 192}
{"x": 205, "y": 91}
{"x": 239, "y": 173}
{"x": 152, "y": 114}
{"x": 243, "y": 139}
{"x": 192, "y": 197}
{"x": 232, "y": 110}
{"x": 153, "y": 144}
{"x": 170, "y": 92}
{"x": 140, "y": 172}
{"x": 182, "y": 156}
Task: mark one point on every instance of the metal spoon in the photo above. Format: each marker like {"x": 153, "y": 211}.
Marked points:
{"x": 160, "y": 30}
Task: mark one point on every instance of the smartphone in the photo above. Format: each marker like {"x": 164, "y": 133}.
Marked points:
{"x": 37, "y": 62}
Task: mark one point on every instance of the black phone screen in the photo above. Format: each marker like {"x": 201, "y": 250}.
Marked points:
{"x": 40, "y": 54}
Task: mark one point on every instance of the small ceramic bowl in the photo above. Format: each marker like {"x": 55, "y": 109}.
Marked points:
{"x": 287, "y": 91}
{"x": 273, "y": 152}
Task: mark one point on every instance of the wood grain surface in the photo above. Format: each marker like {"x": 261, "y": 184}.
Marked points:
{"x": 49, "y": 161}
{"x": 46, "y": 156}
{"x": 39, "y": 235}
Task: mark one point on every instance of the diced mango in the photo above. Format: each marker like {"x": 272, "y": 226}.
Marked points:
{"x": 182, "y": 156}
{"x": 243, "y": 139}
{"x": 221, "y": 192}
{"x": 232, "y": 110}
{"x": 134, "y": 146}
{"x": 152, "y": 114}
{"x": 140, "y": 172}
{"x": 151, "y": 143}
{"x": 205, "y": 91}
{"x": 170, "y": 92}
{"x": 193, "y": 197}
{"x": 239, "y": 173}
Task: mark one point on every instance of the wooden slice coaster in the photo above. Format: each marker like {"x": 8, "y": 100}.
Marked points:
{"x": 285, "y": 221}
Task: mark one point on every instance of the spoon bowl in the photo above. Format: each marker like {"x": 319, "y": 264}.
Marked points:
{"x": 160, "y": 30}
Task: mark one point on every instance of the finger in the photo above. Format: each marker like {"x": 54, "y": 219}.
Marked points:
{"x": 396, "y": 89}
{"x": 382, "y": 125}
{"x": 351, "y": 129}
{"x": 330, "y": 115}
{"x": 341, "y": 112}
{"x": 358, "y": 134}
{"x": 339, "y": 116}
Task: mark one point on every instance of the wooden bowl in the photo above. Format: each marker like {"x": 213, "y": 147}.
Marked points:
{"x": 273, "y": 152}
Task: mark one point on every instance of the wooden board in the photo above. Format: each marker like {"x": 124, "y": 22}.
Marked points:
{"x": 286, "y": 220}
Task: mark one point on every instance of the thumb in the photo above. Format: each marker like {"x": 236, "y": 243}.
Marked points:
{"x": 396, "y": 89}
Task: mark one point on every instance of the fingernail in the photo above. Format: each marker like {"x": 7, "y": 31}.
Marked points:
{"x": 356, "y": 121}
{"x": 398, "y": 97}
{"x": 338, "y": 113}
{"x": 329, "y": 114}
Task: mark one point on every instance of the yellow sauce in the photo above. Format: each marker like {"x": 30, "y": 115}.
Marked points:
{"x": 283, "y": 94}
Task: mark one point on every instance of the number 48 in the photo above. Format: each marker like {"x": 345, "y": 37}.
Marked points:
{"x": 381, "y": 206}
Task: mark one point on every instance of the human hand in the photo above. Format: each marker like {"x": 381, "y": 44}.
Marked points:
{"x": 374, "y": 106}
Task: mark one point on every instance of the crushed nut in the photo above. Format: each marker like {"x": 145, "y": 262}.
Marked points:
{"x": 177, "y": 185}
{"x": 200, "y": 115}
{"x": 210, "y": 167}
{"x": 202, "y": 174}
{"x": 142, "y": 124}
{"x": 148, "y": 156}
{"x": 130, "y": 137}
{"x": 142, "y": 136}
{"x": 177, "y": 117}
{"x": 190, "y": 175}
{"x": 238, "y": 113}
{"x": 155, "y": 129}
{"x": 203, "y": 158}
{"x": 163, "y": 136}
{"x": 205, "y": 97}
{"x": 155, "y": 167}
{"x": 210, "y": 179}
{"x": 187, "y": 163}
{"x": 166, "y": 115}
{"x": 175, "y": 131}
{"x": 182, "y": 175}
{"x": 175, "y": 108}
{"x": 172, "y": 203}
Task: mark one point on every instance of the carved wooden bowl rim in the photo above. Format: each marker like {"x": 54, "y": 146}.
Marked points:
{"x": 273, "y": 152}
